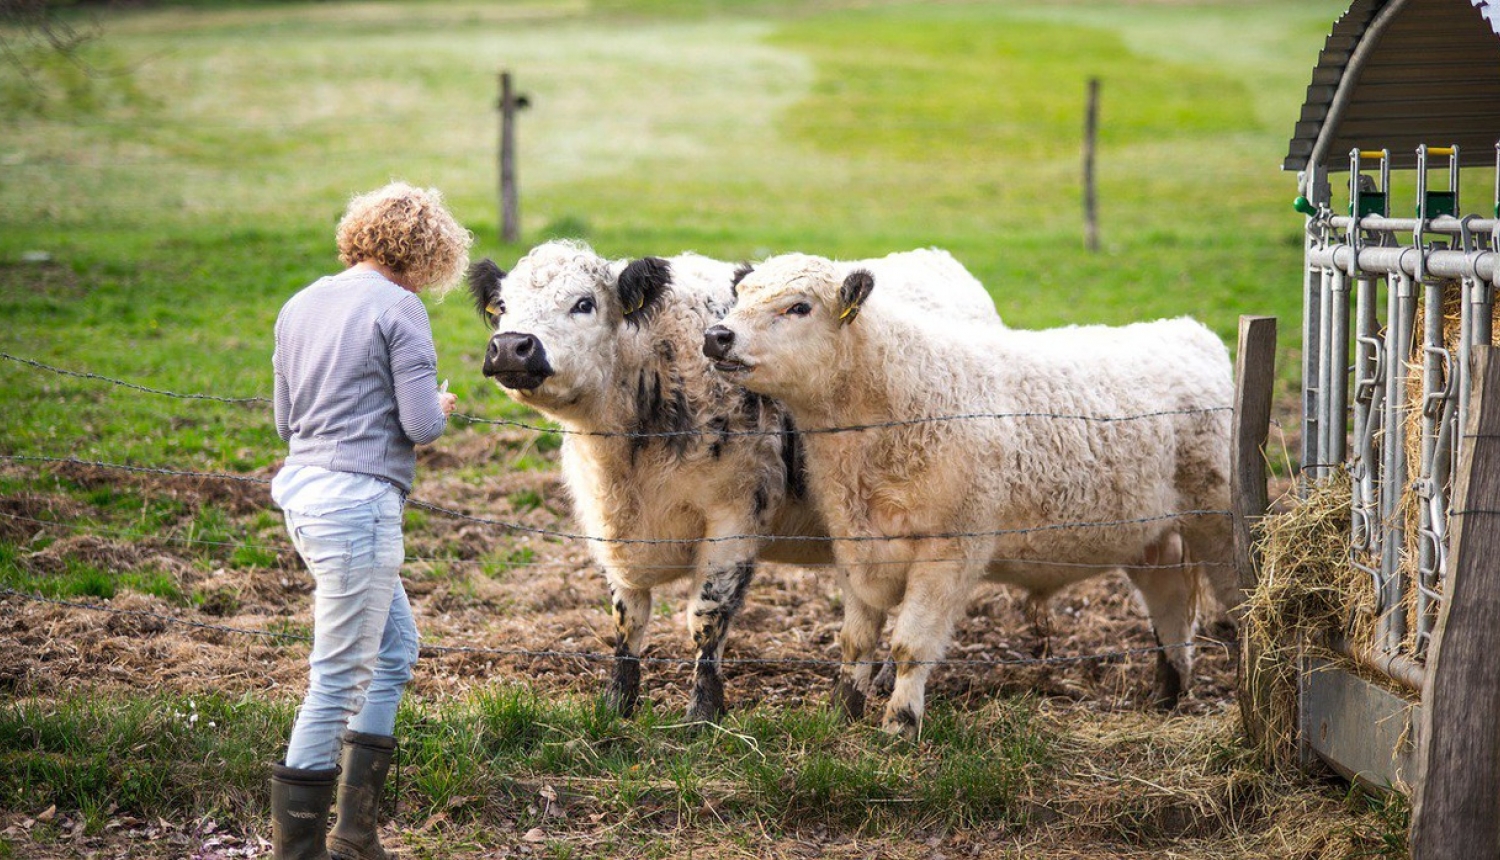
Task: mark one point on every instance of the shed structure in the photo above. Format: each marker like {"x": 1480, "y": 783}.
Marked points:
{"x": 1397, "y": 296}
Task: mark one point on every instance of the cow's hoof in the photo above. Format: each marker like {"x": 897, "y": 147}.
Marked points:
{"x": 848, "y": 699}
{"x": 1167, "y": 691}
{"x": 624, "y": 688}
{"x": 707, "y": 703}
{"x": 902, "y": 722}
{"x": 885, "y": 679}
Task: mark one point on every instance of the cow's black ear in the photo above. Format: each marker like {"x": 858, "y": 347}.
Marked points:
{"x": 740, "y": 272}
{"x": 641, "y": 287}
{"x": 484, "y": 280}
{"x": 852, "y": 295}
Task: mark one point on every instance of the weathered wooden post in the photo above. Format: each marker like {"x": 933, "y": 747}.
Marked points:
{"x": 1090, "y": 133}
{"x": 1456, "y": 808}
{"x": 1254, "y": 377}
{"x": 510, "y": 204}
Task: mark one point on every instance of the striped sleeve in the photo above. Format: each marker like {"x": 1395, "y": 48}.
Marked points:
{"x": 281, "y": 402}
{"x": 414, "y": 370}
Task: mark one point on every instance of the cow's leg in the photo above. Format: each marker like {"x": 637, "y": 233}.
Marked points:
{"x": 936, "y": 594}
{"x": 857, "y": 640}
{"x": 1039, "y": 613}
{"x": 631, "y": 608}
{"x": 1170, "y": 593}
{"x": 728, "y": 566}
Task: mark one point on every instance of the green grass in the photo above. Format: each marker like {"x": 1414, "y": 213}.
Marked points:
{"x": 183, "y": 196}
{"x": 475, "y": 758}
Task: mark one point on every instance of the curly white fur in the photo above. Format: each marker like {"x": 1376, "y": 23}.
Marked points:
{"x": 837, "y": 353}
{"x": 615, "y": 348}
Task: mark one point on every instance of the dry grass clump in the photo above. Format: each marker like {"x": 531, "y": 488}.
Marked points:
{"x": 1308, "y": 591}
{"x": 1130, "y": 784}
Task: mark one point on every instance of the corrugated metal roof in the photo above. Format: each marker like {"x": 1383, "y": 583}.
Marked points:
{"x": 1397, "y": 73}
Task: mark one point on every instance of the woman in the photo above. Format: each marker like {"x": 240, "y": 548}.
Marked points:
{"x": 356, "y": 392}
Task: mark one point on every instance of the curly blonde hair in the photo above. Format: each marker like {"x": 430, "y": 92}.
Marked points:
{"x": 407, "y": 230}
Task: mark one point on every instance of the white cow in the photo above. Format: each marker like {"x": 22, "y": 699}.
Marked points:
{"x": 1125, "y": 428}
{"x": 679, "y": 472}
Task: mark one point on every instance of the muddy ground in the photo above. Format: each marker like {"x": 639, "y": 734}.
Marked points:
{"x": 551, "y": 598}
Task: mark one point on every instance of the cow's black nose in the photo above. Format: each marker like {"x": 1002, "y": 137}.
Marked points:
{"x": 717, "y": 342}
{"x": 509, "y": 352}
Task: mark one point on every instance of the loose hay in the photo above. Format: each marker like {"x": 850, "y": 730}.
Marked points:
{"x": 1409, "y": 510}
{"x": 1308, "y": 592}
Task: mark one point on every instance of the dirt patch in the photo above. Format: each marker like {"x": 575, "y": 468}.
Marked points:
{"x": 495, "y": 602}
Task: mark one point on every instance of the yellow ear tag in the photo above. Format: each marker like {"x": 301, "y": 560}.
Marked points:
{"x": 849, "y": 313}
{"x": 639, "y": 305}
{"x": 490, "y": 309}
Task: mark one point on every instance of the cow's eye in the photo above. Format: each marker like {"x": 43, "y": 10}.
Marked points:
{"x": 584, "y": 305}
{"x": 800, "y": 309}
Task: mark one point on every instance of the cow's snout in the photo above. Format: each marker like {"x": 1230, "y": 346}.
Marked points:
{"x": 516, "y": 360}
{"x": 717, "y": 342}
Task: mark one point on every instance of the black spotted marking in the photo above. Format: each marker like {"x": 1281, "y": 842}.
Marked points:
{"x": 661, "y": 415}
{"x": 906, "y": 719}
{"x": 625, "y": 685}
{"x": 1168, "y": 688}
{"x": 848, "y": 699}
{"x": 793, "y": 459}
{"x": 726, "y": 588}
{"x": 707, "y": 702}
{"x": 484, "y": 279}
{"x": 718, "y": 425}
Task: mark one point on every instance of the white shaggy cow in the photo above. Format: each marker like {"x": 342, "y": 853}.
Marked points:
{"x": 679, "y": 471}
{"x": 924, "y": 508}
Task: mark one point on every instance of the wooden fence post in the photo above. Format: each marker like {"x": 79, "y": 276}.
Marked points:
{"x": 1090, "y": 133}
{"x": 510, "y": 204}
{"x": 1456, "y": 809}
{"x": 1254, "y": 378}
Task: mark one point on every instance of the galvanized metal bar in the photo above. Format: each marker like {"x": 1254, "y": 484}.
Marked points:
{"x": 1391, "y": 623}
{"x": 1315, "y": 187}
{"x": 1436, "y": 373}
{"x": 1335, "y": 427}
{"x": 1324, "y": 466}
{"x": 1363, "y": 464}
{"x": 1404, "y": 226}
{"x": 1405, "y": 260}
{"x": 1399, "y": 668}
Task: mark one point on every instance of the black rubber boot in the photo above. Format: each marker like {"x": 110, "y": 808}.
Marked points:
{"x": 366, "y": 761}
{"x": 299, "y": 812}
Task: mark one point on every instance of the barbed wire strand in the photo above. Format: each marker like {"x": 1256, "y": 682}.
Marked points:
{"x": 597, "y": 656}
{"x": 122, "y": 383}
{"x": 664, "y": 434}
{"x": 280, "y": 549}
{"x": 564, "y": 535}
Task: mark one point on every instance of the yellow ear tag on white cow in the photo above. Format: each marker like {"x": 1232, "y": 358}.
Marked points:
{"x": 849, "y": 314}
{"x": 491, "y": 310}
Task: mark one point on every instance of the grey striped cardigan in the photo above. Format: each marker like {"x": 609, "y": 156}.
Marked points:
{"x": 356, "y": 377}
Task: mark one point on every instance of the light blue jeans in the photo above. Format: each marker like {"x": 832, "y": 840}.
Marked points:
{"x": 364, "y": 636}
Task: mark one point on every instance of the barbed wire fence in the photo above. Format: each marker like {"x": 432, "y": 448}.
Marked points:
{"x": 431, "y": 649}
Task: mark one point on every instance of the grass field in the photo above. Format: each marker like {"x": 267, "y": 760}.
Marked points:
{"x": 161, "y": 200}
